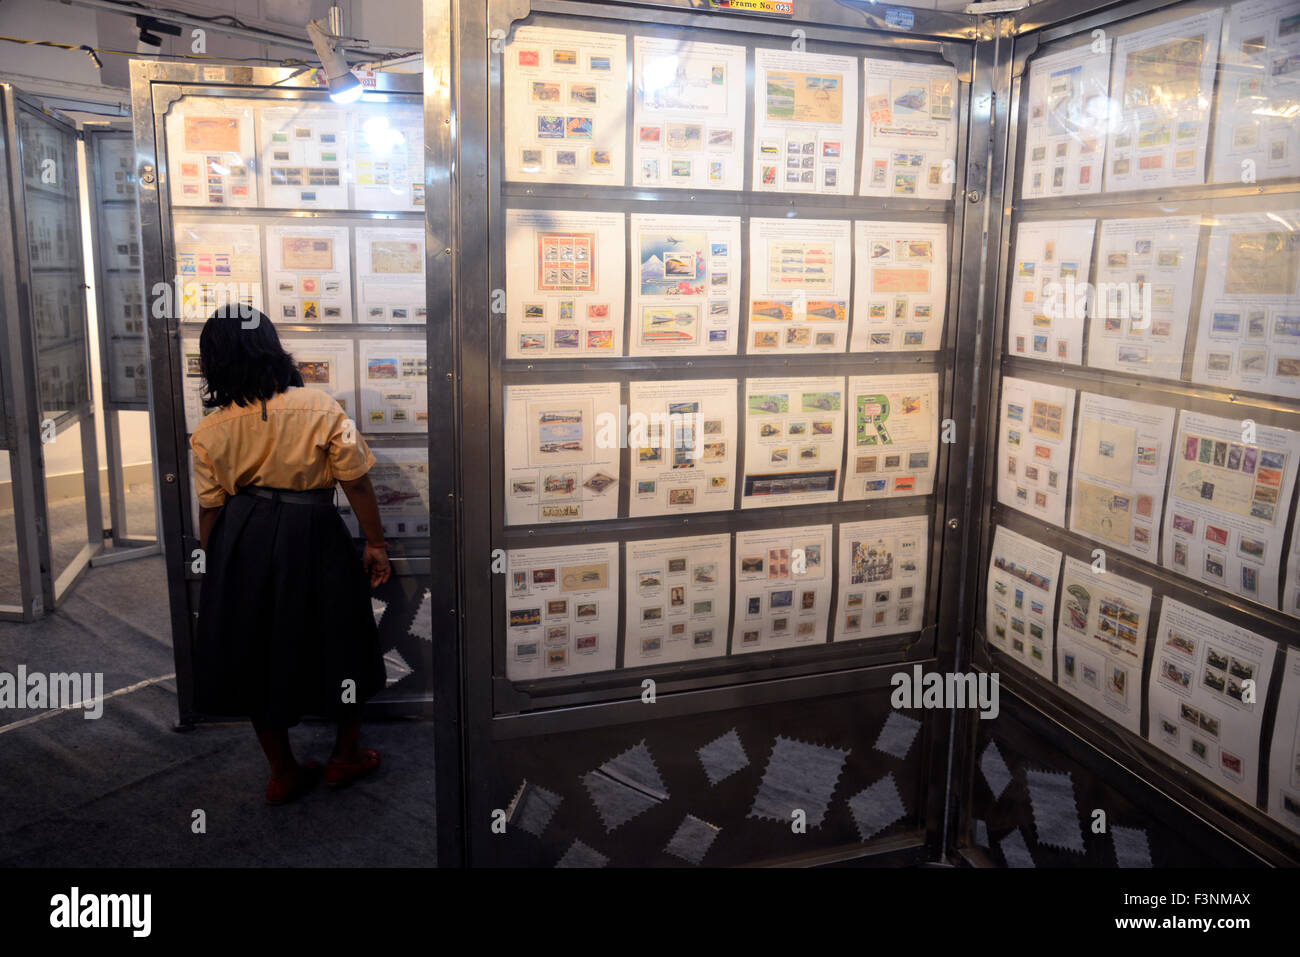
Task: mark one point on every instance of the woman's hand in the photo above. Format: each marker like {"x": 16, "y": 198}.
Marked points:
{"x": 375, "y": 561}
{"x": 361, "y": 496}
{"x": 207, "y": 518}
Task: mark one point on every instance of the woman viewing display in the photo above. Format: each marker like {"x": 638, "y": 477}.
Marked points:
{"x": 285, "y": 624}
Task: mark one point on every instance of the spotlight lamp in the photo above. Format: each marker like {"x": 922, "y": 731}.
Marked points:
{"x": 343, "y": 85}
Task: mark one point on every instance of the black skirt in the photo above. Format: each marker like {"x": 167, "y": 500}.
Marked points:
{"x": 284, "y": 614}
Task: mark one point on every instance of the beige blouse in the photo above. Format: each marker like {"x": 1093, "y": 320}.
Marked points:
{"x": 306, "y": 441}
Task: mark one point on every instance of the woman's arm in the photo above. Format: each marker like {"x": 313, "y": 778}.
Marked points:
{"x": 361, "y": 496}
{"x": 207, "y": 518}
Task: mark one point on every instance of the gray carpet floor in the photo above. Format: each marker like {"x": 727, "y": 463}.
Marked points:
{"x": 121, "y": 791}
{"x": 68, "y": 533}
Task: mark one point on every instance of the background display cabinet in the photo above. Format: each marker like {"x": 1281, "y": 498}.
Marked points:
{"x": 50, "y": 525}
{"x": 254, "y": 187}
{"x": 122, "y": 312}
{"x": 1134, "y": 575}
{"x": 794, "y": 353}
{"x": 709, "y": 467}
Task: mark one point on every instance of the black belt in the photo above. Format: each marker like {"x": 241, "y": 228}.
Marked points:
{"x": 314, "y": 496}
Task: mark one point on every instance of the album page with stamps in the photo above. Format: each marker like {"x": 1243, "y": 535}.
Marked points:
{"x": 192, "y": 383}
{"x": 1020, "y": 598}
{"x": 794, "y": 441}
{"x": 117, "y": 167}
{"x": 561, "y": 610}
{"x": 390, "y": 276}
{"x": 128, "y": 372}
{"x": 1036, "y": 426}
{"x": 1047, "y": 303}
{"x": 882, "y": 577}
{"x": 683, "y": 446}
{"x": 1146, "y": 269}
{"x": 894, "y": 443}
{"x": 686, "y": 280}
{"x": 1101, "y": 640}
{"x": 388, "y": 157}
{"x": 1207, "y": 695}
{"x": 1229, "y": 496}
{"x": 1162, "y": 81}
{"x": 900, "y": 286}
{"x": 800, "y": 279}
{"x": 305, "y": 155}
{"x": 909, "y": 129}
{"x": 1256, "y": 136}
{"x": 124, "y": 306}
{"x": 394, "y": 385}
{"x": 805, "y": 122}
{"x": 1065, "y": 130}
{"x": 218, "y": 264}
{"x": 401, "y": 480}
{"x": 119, "y": 246}
{"x": 1121, "y": 457}
{"x": 1249, "y": 332}
{"x": 309, "y": 271}
{"x": 328, "y": 365}
{"x": 689, "y": 129}
{"x": 678, "y": 599}
{"x": 562, "y": 452}
{"x": 564, "y": 284}
{"x": 565, "y": 106}
{"x": 211, "y": 154}
{"x": 783, "y": 588}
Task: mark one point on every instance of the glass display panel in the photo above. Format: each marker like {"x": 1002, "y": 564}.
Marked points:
{"x": 1141, "y": 549}
{"x": 52, "y": 220}
{"x": 714, "y": 336}
{"x": 312, "y": 212}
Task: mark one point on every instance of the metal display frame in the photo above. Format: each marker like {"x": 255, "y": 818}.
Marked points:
{"x": 154, "y": 87}
{"x": 42, "y": 587}
{"x": 125, "y": 546}
{"x": 478, "y": 711}
{"x": 484, "y": 722}
{"x": 1081, "y": 731}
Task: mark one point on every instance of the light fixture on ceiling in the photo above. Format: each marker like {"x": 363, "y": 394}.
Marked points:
{"x": 150, "y": 27}
{"x": 343, "y": 84}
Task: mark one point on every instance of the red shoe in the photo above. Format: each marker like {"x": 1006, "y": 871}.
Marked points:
{"x": 283, "y": 792}
{"x": 338, "y": 774}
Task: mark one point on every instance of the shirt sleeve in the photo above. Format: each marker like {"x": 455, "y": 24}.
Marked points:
{"x": 349, "y": 456}
{"x": 206, "y": 487}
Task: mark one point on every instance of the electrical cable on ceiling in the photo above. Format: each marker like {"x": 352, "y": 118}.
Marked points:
{"x": 224, "y": 19}
{"x": 228, "y": 20}
{"x": 93, "y": 52}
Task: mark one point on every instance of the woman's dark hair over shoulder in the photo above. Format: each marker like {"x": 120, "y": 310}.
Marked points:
{"x": 241, "y": 358}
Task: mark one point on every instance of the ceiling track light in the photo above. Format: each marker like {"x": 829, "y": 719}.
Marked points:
{"x": 343, "y": 85}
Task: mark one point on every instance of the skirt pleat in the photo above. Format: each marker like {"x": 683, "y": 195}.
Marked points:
{"x": 284, "y": 615}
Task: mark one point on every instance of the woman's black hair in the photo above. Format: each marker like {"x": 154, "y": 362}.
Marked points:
{"x": 241, "y": 358}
